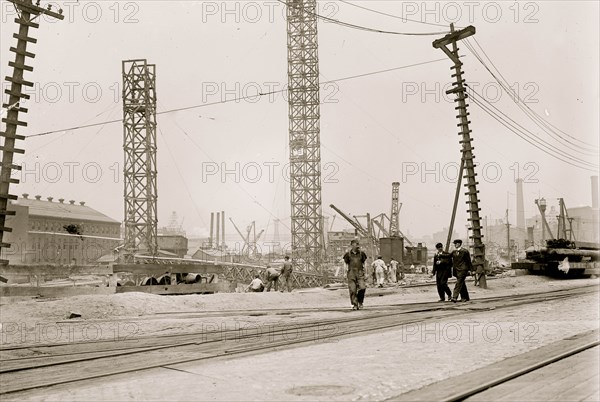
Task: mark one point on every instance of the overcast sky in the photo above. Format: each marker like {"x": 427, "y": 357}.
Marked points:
{"x": 375, "y": 129}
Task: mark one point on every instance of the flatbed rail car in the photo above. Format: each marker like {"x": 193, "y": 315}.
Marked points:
{"x": 562, "y": 258}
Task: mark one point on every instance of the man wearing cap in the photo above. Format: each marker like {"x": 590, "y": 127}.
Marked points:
{"x": 355, "y": 260}
{"x": 442, "y": 264}
{"x": 461, "y": 265}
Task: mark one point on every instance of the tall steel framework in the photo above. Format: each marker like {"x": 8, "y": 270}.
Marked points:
{"x": 139, "y": 144}
{"x": 27, "y": 12}
{"x": 304, "y": 135}
{"x": 395, "y": 213}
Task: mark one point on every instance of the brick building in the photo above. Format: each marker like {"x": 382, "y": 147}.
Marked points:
{"x": 58, "y": 232}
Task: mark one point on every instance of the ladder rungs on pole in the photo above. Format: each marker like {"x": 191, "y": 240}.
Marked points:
{"x": 22, "y": 52}
{"x": 25, "y": 38}
{"x": 15, "y": 136}
{"x": 20, "y": 66}
{"x": 15, "y": 150}
{"x": 28, "y": 23}
{"x": 17, "y": 94}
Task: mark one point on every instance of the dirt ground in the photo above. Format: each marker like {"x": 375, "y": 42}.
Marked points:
{"x": 137, "y": 314}
{"x": 375, "y": 366}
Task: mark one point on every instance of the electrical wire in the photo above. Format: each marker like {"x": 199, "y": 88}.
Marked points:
{"x": 235, "y": 99}
{"x": 526, "y": 135}
{"x": 363, "y": 28}
{"x": 529, "y": 112}
{"x": 393, "y": 16}
{"x": 541, "y": 119}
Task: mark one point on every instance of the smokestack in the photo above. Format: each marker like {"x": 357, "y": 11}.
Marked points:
{"x": 223, "y": 227}
{"x": 218, "y": 229}
{"x": 529, "y": 236}
{"x": 595, "y": 192}
{"x": 212, "y": 225}
{"x": 520, "y": 205}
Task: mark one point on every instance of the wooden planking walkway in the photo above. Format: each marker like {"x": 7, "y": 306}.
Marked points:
{"x": 444, "y": 390}
{"x": 572, "y": 379}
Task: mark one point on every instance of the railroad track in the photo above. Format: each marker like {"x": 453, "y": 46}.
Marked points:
{"x": 508, "y": 379}
{"x": 26, "y": 367}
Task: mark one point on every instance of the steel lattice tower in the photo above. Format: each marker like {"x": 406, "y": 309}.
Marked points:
{"x": 394, "y": 215}
{"x": 139, "y": 144}
{"x": 304, "y": 133}
{"x": 27, "y": 12}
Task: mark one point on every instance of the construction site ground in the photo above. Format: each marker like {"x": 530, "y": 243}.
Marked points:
{"x": 373, "y": 366}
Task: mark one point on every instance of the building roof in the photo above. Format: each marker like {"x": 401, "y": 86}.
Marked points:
{"x": 54, "y": 209}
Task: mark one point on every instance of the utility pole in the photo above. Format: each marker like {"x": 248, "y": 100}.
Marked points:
{"x": 467, "y": 163}
{"x": 304, "y": 135}
{"x": 27, "y": 12}
{"x": 508, "y": 237}
{"x": 139, "y": 144}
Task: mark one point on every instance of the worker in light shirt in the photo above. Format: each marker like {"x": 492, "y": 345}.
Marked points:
{"x": 256, "y": 285}
{"x": 380, "y": 270}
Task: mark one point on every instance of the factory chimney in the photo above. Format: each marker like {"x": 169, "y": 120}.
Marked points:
{"x": 223, "y": 228}
{"x": 218, "y": 229}
{"x": 520, "y": 205}
{"x": 212, "y": 225}
{"x": 595, "y": 192}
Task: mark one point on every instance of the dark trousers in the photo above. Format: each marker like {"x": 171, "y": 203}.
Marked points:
{"x": 286, "y": 282}
{"x": 356, "y": 287}
{"x": 441, "y": 280}
{"x": 460, "y": 288}
{"x": 272, "y": 281}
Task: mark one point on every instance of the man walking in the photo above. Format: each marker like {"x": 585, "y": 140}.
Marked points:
{"x": 355, "y": 260}
{"x": 286, "y": 273}
{"x": 461, "y": 265}
{"x": 442, "y": 264}
{"x": 380, "y": 268}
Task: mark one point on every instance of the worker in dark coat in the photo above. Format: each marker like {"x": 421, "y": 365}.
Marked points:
{"x": 355, "y": 261}
{"x": 461, "y": 266}
{"x": 442, "y": 266}
{"x": 272, "y": 278}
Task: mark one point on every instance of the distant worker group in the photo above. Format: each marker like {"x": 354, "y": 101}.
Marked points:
{"x": 272, "y": 276}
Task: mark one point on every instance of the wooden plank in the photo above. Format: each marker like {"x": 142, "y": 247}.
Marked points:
{"x": 441, "y": 390}
{"x": 53, "y": 270}
{"x": 160, "y": 269}
{"x": 54, "y": 291}
{"x": 547, "y": 382}
{"x": 180, "y": 289}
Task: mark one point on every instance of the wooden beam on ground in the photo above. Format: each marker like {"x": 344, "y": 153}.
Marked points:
{"x": 160, "y": 269}
{"x": 180, "y": 289}
{"x": 54, "y": 291}
{"x": 54, "y": 270}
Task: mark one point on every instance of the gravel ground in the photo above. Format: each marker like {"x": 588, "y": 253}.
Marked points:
{"x": 370, "y": 367}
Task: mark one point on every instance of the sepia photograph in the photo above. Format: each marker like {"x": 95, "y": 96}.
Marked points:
{"x": 299, "y": 200}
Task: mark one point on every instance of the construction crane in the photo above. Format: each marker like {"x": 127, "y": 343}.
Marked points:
{"x": 379, "y": 221}
{"x": 250, "y": 246}
{"x": 356, "y": 225}
{"x": 366, "y": 233}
